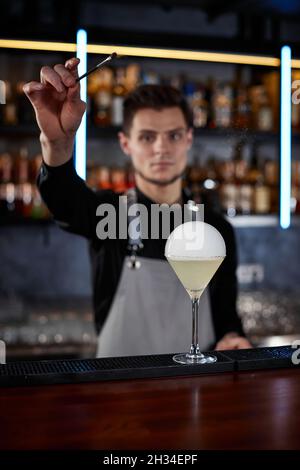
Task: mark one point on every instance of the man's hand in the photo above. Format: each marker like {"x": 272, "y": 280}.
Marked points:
{"x": 58, "y": 109}
{"x": 233, "y": 341}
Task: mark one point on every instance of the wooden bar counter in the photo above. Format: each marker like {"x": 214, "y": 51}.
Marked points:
{"x": 231, "y": 410}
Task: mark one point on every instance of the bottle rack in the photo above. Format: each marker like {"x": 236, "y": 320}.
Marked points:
{"x": 211, "y": 130}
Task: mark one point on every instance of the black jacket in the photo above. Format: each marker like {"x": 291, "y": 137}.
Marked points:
{"x": 73, "y": 205}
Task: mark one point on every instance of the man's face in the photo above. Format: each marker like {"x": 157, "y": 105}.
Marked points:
{"x": 158, "y": 143}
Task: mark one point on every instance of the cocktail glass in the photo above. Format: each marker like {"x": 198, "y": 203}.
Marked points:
{"x": 195, "y": 250}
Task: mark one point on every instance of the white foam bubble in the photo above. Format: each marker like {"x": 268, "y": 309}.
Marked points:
{"x": 195, "y": 240}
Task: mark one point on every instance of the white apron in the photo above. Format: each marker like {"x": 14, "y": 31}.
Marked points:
{"x": 151, "y": 313}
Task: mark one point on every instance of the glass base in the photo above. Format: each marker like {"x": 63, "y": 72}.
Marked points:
{"x": 187, "y": 358}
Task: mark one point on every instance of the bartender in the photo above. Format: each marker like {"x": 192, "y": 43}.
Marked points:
{"x": 140, "y": 307}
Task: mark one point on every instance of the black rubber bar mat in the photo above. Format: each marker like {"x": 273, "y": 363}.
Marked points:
{"x": 264, "y": 358}
{"x": 89, "y": 370}
{"x": 133, "y": 367}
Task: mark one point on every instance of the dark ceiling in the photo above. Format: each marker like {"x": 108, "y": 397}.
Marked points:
{"x": 59, "y": 20}
{"x": 214, "y": 8}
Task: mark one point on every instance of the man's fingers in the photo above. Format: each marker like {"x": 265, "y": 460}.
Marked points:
{"x": 74, "y": 93}
{"x": 244, "y": 344}
{"x": 31, "y": 87}
{"x": 238, "y": 342}
{"x": 221, "y": 346}
{"x": 32, "y": 90}
{"x": 72, "y": 66}
{"x": 48, "y": 75}
{"x": 65, "y": 75}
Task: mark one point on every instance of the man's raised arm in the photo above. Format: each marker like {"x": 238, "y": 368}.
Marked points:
{"x": 59, "y": 110}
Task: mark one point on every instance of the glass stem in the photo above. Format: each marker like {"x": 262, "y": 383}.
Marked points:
{"x": 195, "y": 350}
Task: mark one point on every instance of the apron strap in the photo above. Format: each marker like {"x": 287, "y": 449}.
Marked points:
{"x": 134, "y": 244}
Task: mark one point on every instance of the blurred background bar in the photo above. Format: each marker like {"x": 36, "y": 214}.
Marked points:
{"x": 230, "y": 67}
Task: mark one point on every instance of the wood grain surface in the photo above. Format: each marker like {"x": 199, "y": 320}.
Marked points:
{"x": 245, "y": 410}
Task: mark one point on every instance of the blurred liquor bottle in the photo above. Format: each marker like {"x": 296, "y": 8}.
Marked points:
{"x": 22, "y": 186}
{"x": 271, "y": 173}
{"x": 242, "y": 108}
{"x": 7, "y": 187}
{"x": 132, "y": 77}
{"x": 261, "y": 191}
{"x": 228, "y": 188}
{"x": 98, "y": 176}
{"x": 200, "y": 107}
{"x": 271, "y": 81}
{"x": 9, "y": 111}
{"x": 103, "y": 178}
{"x": 211, "y": 185}
{"x": 195, "y": 177}
{"x": 244, "y": 190}
{"x": 103, "y": 98}
{"x": 188, "y": 90}
{"x": 223, "y": 105}
{"x": 19, "y": 195}
{"x": 118, "y": 180}
{"x": 118, "y": 94}
{"x": 262, "y": 113}
{"x": 2, "y": 100}
{"x": 210, "y": 87}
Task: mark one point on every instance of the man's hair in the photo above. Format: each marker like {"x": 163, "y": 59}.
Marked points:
{"x": 155, "y": 97}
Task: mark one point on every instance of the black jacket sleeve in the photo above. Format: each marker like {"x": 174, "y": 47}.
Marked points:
{"x": 223, "y": 287}
{"x": 69, "y": 199}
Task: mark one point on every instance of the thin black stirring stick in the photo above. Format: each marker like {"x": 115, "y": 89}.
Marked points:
{"x": 109, "y": 58}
